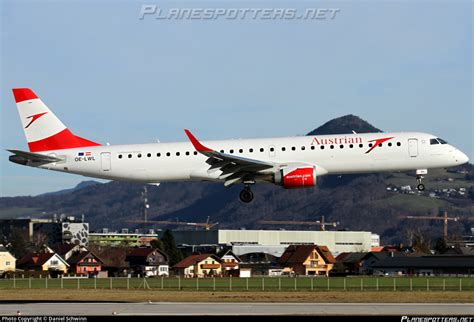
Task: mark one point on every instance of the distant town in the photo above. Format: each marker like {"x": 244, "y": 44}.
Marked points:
{"x": 65, "y": 247}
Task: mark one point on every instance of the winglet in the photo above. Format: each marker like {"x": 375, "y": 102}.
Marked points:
{"x": 197, "y": 145}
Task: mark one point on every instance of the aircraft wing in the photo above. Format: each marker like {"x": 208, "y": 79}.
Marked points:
{"x": 234, "y": 168}
{"x": 24, "y": 157}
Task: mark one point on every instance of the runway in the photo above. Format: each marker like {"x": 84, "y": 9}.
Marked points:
{"x": 186, "y": 308}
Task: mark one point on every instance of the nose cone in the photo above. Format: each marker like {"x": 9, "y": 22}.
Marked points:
{"x": 461, "y": 157}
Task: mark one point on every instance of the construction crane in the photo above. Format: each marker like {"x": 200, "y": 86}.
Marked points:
{"x": 207, "y": 225}
{"x": 322, "y": 224}
{"x": 444, "y": 218}
{"x": 144, "y": 196}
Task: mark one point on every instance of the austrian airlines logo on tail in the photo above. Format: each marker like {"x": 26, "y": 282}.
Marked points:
{"x": 378, "y": 142}
{"x": 34, "y": 118}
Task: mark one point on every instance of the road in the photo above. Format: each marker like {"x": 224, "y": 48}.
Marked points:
{"x": 187, "y": 308}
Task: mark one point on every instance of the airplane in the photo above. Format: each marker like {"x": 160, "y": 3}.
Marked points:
{"x": 291, "y": 162}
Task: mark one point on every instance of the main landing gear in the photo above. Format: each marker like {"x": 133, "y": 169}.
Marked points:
{"x": 419, "y": 177}
{"x": 246, "y": 195}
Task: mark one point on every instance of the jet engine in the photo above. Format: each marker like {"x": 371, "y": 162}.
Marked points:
{"x": 296, "y": 177}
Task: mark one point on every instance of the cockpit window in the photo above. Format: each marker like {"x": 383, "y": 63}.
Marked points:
{"x": 442, "y": 141}
{"x": 433, "y": 141}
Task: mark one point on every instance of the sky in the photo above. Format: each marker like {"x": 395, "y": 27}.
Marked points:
{"x": 114, "y": 78}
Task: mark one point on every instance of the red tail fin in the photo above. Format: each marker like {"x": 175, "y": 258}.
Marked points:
{"x": 43, "y": 130}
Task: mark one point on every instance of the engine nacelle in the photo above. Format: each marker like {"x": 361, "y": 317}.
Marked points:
{"x": 296, "y": 177}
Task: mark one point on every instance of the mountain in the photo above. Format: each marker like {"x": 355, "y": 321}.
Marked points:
{"x": 345, "y": 124}
{"x": 358, "y": 202}
{"x": 79, "y": 186}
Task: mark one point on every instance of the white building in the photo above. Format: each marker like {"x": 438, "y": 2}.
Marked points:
{"x": 276, "y": 241}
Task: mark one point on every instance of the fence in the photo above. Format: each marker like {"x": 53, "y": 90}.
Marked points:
{"x": 248, "y": 284}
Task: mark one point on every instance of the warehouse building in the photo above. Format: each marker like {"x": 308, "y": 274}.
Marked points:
{"x": 276, "y": 241}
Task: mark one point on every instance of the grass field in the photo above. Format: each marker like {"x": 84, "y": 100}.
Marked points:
{"x": 121, "y": 295}
{"x": 255, "y": 284}
{"x": 412, "y": 202}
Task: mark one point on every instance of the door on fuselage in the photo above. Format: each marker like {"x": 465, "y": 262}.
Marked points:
{"x": 413, "y": 147}
{"x": 105, "y": 161}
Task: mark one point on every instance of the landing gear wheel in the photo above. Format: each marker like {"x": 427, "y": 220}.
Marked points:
{"x": 246, "y": 195}
{"x": 419, "y": 177}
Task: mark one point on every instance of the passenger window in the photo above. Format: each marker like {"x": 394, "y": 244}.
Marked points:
{"x": 389, "y": 143}
{"x": 399, "y": 144}
{"x": 332, "y": 146}
{"x": 283, "y": 148}
{"x": 129, "y": 156}
{"x": 120, "y": 156}
{"x": 187, "y": 152}
{"x": 293, "y": 148}
{"x": 380, "y": 145}
{"x": 370, "y": 145}
{"x": 312, "y": 147}
{"x": 351, "y": 145}
{"x": 322, "y": 147}
{"x": 222, "y": 151}
{"x": 361, "y": 145}
{"x": 231, "y": 151}
{"x": 341, "y": 146}
{"x": 139, "y": 155}
{"x": 262, "y": 149}
{"x": 303, "y": 148}
{"x": 168, "y": 154}
{"x": 240, "y": 150}
{"x": 195, "y": 153}
{"x": 177, "y": 154}
{"x": 158, "y": 155}
{"x": 272, "y": 149}
{"x": 148, "y": 155}
{"x": 250, "y": 150}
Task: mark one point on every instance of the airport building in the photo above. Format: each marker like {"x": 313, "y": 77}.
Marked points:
{"x": 276, "y": 241}
{"x": 125, "y": 237}
{"x": 65, "y": 230}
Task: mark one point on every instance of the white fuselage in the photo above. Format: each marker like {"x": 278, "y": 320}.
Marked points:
{"x": 330, "y": 154}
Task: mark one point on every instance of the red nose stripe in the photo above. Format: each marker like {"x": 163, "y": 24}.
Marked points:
{"x": 62, "y": 140}
{"x": 23, "y": 94}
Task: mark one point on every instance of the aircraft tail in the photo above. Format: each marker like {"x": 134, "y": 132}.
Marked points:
{"x": 43, "y": 130}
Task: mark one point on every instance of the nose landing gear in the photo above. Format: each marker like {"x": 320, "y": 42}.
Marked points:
{"x": 246, "y": 195}
{"x": 419, "y": 177}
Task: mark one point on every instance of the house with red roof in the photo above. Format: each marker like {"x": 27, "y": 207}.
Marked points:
{"x": 148, "y": 261}
{"x": 230, "y": 262}
{"x": 85, "y": 263}
{"x": 307, "y": 260}
{"x": 49, "y": 262}
{"x": 201, "y": 265}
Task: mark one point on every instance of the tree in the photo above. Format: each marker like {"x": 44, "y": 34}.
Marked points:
{"x": 421, "y": 241}
{"x": 471, "y": 192}
{"x": 158, "y": 244}
{"x": 38, "y": 243}
{"x": 19, "y": 243}
{"x": 170, "y": 248}
{"x": 440, "y": 246}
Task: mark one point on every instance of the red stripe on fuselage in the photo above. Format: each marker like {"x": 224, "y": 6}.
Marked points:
{"x": 62, "y": 140}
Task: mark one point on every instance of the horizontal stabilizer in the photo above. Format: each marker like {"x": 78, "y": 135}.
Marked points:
{"x": 23, "y": 157}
